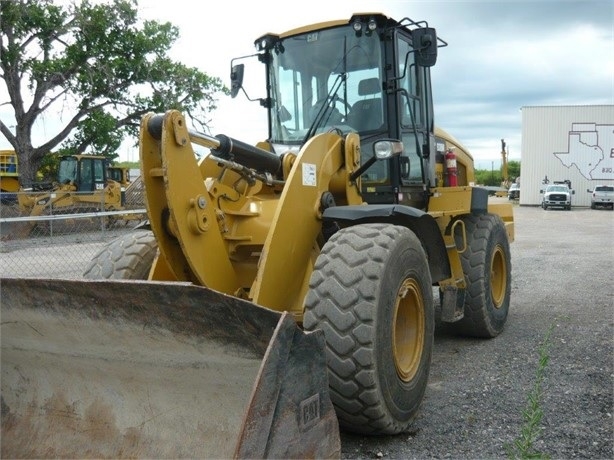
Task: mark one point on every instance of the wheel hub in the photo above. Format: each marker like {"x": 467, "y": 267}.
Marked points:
{"x": 498, "y": 277}
{"x": 408, "y": 330}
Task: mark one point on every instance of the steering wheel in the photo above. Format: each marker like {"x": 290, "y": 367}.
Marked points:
{"x": 333, "y": 115}
{"x": 346, "y": 105}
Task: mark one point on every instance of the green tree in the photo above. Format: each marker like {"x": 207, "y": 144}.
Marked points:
{"x": 101, "y": 65}
{"x": 488, "y": 177}
{"x": 493, "y": 177}
{"x": 513, "y": 168}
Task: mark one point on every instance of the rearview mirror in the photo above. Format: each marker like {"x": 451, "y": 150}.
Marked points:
{"x": 236, "y": 79}
{"x": 425, "y": 46}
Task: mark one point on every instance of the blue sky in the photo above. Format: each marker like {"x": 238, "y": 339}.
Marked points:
{"x": 502, "y": 55}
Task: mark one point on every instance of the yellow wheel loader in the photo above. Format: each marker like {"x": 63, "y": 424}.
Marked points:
{"x": 280, "y": 292}
{"x": 84, "y": 182}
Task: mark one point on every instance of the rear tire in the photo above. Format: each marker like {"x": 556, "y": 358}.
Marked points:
{"x": 371, "y": 294}
{"x": 487, "y": 266}
{"x": 128, "y": 257}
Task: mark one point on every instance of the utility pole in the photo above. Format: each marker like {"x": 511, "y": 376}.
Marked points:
{"x": 504, "y": 172}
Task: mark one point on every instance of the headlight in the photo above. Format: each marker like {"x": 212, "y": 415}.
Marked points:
{"x": 387, "y": 148}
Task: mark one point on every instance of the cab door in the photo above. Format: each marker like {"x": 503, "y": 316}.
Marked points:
{"x": 415, "y": 120}
{"x": 92, "y": 174}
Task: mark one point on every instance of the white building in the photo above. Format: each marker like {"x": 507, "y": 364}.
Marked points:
{"x": 566, "y": 142}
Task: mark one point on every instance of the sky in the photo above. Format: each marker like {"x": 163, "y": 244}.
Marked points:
{"x": 501, "y": 56}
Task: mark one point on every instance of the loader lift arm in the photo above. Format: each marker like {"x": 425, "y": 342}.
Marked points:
{"x": 240, "y": 259}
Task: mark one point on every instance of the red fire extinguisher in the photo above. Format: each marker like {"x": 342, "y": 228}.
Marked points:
{"x": 451, "y": 169}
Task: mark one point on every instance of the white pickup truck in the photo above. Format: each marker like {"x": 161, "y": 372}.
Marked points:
{"x": 602, "y": 195}
{"x": 557, "y": 195}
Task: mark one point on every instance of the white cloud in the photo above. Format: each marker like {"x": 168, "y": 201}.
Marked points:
{"x": 501, "y": 56}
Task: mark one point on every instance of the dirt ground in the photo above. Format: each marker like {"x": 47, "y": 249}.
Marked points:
{"x": 563, "y": 274}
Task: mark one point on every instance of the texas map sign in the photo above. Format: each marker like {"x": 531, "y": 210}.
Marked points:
{"x": 591, "y": 150}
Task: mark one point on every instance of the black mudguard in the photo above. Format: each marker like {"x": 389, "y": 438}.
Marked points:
{"x": 421, "y": 223}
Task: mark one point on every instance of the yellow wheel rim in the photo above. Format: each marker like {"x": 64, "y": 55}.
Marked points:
{"x": 498, "y": 277}
{"x": 408, "y": 330}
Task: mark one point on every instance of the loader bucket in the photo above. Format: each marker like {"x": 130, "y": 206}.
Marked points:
{"x": 143, "y": 369}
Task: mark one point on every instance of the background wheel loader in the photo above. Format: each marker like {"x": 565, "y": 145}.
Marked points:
{"x": 85, "y": 183}
{"x": 280, "y": 291}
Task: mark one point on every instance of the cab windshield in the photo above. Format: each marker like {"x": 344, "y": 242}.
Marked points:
{"x": 67, "y": 171}
{"x": 323, "y": 80}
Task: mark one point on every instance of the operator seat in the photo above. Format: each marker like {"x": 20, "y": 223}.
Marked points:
{"x": 367, "y": 114}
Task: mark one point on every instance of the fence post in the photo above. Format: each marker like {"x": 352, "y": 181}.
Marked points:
{"x": 51, "y": 214}
{"x": 102, "y": 209}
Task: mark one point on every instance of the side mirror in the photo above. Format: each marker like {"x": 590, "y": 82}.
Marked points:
{"x": 236, "y": 79}
{"x": 425, "y": 46}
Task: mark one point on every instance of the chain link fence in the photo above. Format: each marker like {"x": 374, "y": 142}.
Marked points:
{"x": 61, "y": 241}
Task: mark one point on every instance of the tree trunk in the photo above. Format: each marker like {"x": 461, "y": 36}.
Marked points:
{"x": 27, "y": 166}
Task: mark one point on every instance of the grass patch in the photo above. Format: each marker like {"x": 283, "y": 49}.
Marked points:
{"x": 523, "y": 446}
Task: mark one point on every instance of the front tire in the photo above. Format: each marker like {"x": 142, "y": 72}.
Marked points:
{"x": 128, "y": 257}
{"x": 487, "y": 266}
{"x": 371, "y": 295}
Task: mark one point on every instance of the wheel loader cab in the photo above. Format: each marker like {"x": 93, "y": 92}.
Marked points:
{"x": 119, "y": 174}
{"x": 368, "y": 75}
{"x": 87, "y": 173}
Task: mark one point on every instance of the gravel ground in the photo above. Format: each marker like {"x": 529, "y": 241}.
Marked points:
{"x": 562, "y": 264}
{"x": 562, "y": 278}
